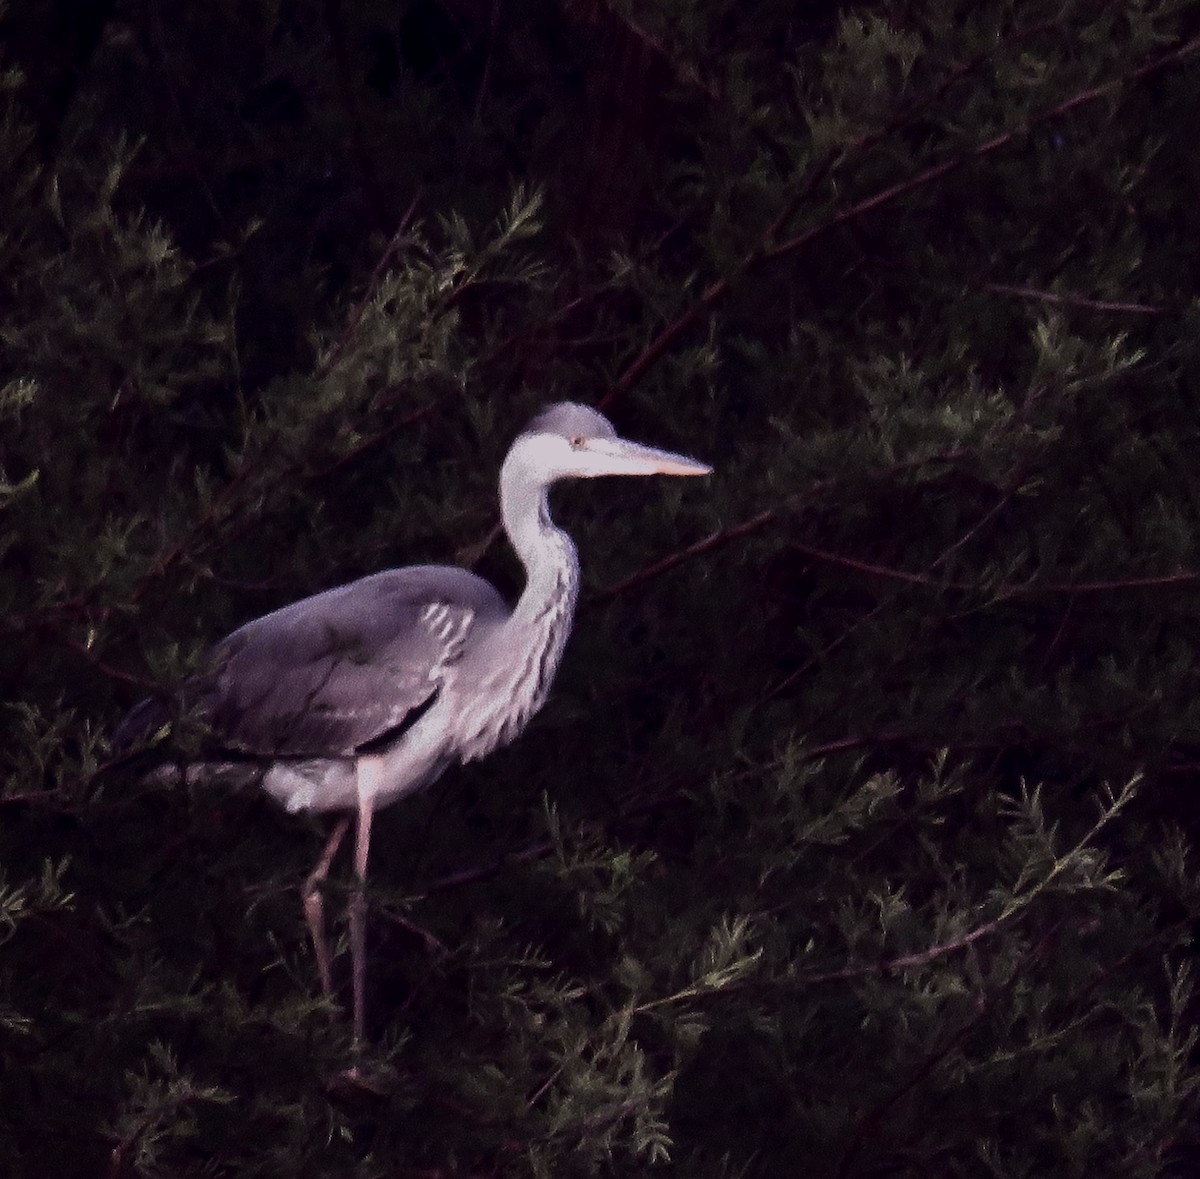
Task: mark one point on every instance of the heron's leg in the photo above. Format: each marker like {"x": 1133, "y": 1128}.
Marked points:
{"x": 358, "y": 913}
{"x": 314, "y": 904}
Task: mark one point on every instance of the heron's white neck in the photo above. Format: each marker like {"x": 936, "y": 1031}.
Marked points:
{"x": 527, "y": 649}
{"x": 550, "y": 560}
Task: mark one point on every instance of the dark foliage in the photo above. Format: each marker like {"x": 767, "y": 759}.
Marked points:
{"x": 856, "y": 839}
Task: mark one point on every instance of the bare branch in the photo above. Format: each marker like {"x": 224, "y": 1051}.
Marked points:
{"x": 1001, "y": 288}
{"x": 653, "y": 352}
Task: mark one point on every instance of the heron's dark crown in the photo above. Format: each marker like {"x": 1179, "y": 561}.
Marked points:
{"x": 568, "y": 419}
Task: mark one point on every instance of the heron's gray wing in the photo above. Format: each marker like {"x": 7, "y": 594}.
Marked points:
{"x": 333, "y": 673}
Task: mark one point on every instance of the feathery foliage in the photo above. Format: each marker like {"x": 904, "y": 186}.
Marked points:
{"x": 858, "y": 837}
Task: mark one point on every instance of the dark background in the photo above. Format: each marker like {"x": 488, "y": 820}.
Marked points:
{"x": 855, "y": 840}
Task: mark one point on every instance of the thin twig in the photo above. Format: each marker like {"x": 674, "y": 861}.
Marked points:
{"x": 166, "y": 562}
{"x": 874, "y": 569}
{"x": 713, "y": 294}
{"x": 682, "y": 70}
{"x": 1006, "y": 497}
{"x": 1163, "y": 581}
{"x": 348, "y": 94}
{"x": 987, "y": 147}
{"x": 1001, "y": 288}
{"x": 714, "y": 540}
{"x": 429, "y": 939}
{"x": 869, "y": 1125}
{"x": 723, "y": 536}
{"x": 28, "y": 796}
{"x": 360, "y": 307}
{"x": 1001, "y": 593}
{"x": 372, "y": 441}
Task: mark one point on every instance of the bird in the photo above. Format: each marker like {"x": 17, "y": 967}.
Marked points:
{"x": 353, "y": 698}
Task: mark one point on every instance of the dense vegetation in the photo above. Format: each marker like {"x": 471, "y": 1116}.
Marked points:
{"x": 858, "y": 838}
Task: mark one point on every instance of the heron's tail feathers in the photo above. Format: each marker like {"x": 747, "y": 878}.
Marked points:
{"x": 141, "y": 722}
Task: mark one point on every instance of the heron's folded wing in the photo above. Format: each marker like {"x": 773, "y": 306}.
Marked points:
{"x": 328, "y": 675}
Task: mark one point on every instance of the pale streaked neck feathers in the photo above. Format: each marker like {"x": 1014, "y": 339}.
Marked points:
{"x": 547, "y": 552}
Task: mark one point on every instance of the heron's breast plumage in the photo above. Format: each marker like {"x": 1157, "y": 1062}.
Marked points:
{"x": 496, "y": 693}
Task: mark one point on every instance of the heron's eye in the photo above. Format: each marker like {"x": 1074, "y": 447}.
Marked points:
{"x": 577, "y": 443}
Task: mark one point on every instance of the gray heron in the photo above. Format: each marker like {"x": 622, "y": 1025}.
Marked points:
{"x": 350, "y": 699}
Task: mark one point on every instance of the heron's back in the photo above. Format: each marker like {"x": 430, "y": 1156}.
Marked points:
{"x": 328, "y": 675}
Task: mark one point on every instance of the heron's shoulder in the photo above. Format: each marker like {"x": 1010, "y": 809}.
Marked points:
{"x": 420, "y": 585}
{"x": 373, "y": 609}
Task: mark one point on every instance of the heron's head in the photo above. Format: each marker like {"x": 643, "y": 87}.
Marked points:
{"x": 569, "y": 441}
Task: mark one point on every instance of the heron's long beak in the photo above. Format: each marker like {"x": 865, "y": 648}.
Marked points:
{"x": 621, "y": 457}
